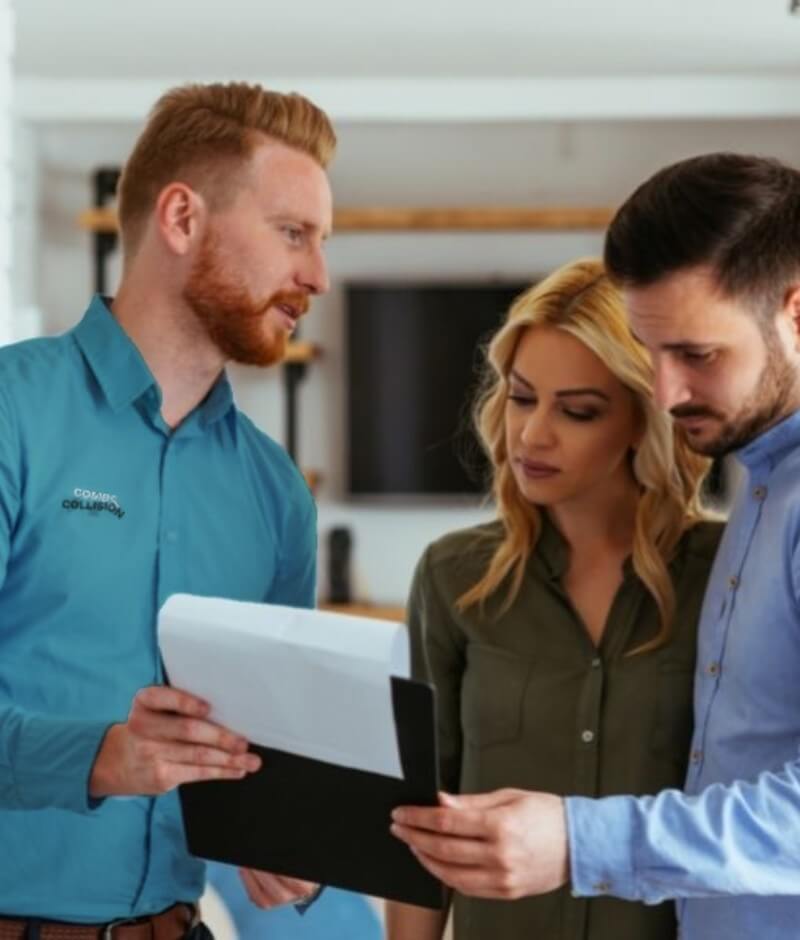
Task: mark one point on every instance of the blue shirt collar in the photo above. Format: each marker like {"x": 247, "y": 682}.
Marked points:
{"x": 771, "y": 446}
{"x": 117, "y": 364}
{"x": 122, "y": 373}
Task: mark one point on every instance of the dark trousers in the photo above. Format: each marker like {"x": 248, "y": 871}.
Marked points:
{"x": 200, "y": 932}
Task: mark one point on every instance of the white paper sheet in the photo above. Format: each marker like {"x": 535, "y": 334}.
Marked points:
{"x": 312, "y": 683}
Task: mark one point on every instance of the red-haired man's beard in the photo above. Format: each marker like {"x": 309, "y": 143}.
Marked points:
{"x": 244, "y": 329}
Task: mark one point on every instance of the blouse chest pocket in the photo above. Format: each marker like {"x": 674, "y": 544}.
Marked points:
{"x": 492, "y": 695}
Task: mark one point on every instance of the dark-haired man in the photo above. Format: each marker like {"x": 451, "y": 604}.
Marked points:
{"x": 707, "y": 253}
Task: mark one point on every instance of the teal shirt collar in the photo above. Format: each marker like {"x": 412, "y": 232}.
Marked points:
{"x": 122, "y": 373}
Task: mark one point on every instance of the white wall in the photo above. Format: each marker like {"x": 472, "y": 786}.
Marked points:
{"x": 6, "y": 48}
{"x": 535, "y": 163}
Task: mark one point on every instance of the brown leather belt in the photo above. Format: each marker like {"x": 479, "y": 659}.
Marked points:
{"x": 172, "y": 924}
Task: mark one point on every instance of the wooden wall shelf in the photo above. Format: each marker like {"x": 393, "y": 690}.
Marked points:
{"x": 98, "y": 221}
{"x": 471, "y": 218}
{"x": 313, "y": 479}
{"x": 431, "y": 219}
{"x": 302, "y": 351}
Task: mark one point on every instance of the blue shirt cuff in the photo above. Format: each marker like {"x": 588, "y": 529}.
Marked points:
{"x": 302, "y": 906}
{"x": 53, "y": 762}
{"x": 601, "y": 846}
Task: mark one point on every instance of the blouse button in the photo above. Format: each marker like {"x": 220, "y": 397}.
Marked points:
{"x": 587, "y": 736}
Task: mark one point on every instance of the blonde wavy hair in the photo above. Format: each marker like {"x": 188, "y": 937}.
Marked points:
{"x": 580, "y": 299}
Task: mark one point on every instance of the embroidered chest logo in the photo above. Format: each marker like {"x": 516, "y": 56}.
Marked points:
{"x": 93, "y": 502}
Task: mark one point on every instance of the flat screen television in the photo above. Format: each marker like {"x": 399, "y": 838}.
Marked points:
{"x": 414, "y": 361}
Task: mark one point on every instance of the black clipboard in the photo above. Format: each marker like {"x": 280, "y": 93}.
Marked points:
{"x": 322, "y": 822}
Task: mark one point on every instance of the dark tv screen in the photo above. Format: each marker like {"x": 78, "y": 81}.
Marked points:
{"x": 414, "y": 362}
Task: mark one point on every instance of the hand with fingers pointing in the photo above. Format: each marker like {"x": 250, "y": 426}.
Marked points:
{"x": 166, "y": 741}
{"x": 506, "y": 844}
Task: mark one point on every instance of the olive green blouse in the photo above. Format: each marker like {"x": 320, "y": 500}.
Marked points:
{"x": 526, "y": 700}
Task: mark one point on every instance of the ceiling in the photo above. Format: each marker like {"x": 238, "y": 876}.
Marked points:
{"x": 473, "y": 39}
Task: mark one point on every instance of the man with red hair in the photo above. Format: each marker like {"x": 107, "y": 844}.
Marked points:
{"x": 128, "y": 474}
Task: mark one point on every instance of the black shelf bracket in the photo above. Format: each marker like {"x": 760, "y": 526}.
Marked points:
{"x": 293, "y": 375}
{"x": 104, "y": 185}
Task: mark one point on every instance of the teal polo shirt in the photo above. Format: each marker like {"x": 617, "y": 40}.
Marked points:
{"x": 105, "y": 512}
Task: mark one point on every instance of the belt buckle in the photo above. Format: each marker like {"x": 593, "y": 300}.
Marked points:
{"x": 108, "y": 930}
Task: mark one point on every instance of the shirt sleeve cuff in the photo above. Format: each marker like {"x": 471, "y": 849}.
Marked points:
{"x": 53, "y": 763}
{"x": 601, "y": 846}
{"x": 302, "y": 906}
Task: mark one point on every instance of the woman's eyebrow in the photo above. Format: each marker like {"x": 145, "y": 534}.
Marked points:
{"x": 564, "y": 392}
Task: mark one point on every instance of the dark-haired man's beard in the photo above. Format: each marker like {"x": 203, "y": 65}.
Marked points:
{"x": 239, "y": 325}
{"x": 772, "y": 399}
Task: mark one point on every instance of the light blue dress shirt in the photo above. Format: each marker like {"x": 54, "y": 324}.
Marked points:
{"x": 730, "y": 846}
{"x": 103, "y": 514}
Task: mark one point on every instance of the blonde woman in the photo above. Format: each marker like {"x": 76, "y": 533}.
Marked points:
{"x": 561, "y": 637}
